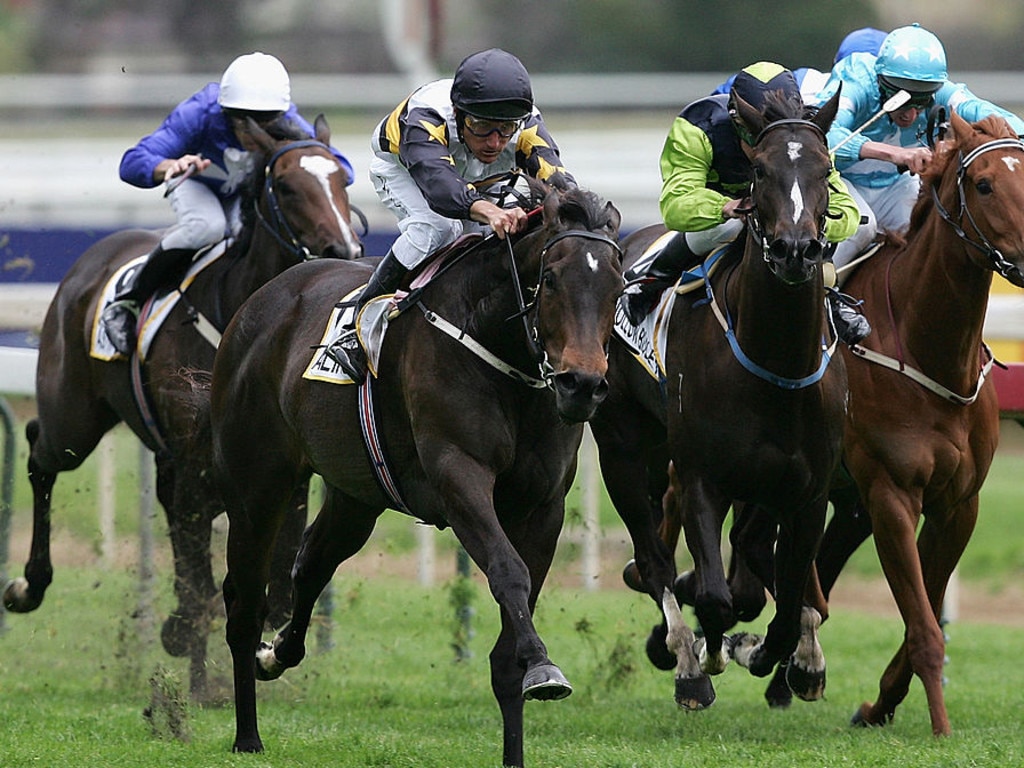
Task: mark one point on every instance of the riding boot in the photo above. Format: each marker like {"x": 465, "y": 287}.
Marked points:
{"x": 663, "y": 272}
{"x": 121, "y": 316}
{"x": 851, "y": 326}
{"x": 346, "y": 350}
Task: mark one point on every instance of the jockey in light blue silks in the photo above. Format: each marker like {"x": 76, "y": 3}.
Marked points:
{"x": 911, "y": 59}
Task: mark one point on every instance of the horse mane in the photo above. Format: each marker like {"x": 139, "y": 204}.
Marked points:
{"x": 945, "y": 152}
{"x": 781, "y": 106}
{"x": 282, "y": 129}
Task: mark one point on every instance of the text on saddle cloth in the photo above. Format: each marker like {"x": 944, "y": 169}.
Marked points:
{"x": 154, "y": 312}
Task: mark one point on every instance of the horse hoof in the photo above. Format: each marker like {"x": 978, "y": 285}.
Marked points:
{"x": 807, "y": 684}
{"x": 862, "y": 717}
{"x": 251, "y": 746}
{"x": 545, "y": 682}
{"x": 693, "y": 693}
{"x": 176, "y": 635}
{"x": 657, "y": 651}
{"x": 16, "y": 596}
{"x": 778, "y": 693}
{"x": 267, "y": 665}
{"x": 631, "y": 577}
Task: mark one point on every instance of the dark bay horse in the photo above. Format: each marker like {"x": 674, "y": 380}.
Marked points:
{"x": 751, "y": 408}
{"x": 479, "y": 419}
{"x": 923, "y": 422}
{"x": 296, "y": 208}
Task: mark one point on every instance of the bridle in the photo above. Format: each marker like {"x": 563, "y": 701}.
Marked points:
{"x": 525, "y": 311}
{"x": 753, "y": 219}
{"x": 999, "y": 262}
{"x": 276, "y": 223}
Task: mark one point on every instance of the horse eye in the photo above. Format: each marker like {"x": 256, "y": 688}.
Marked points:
{"x": 759, "y": 171}
{"x": 548, "y": 279}
{"x": 984, "y": 186}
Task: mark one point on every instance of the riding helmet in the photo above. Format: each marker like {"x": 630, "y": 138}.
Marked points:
{"x": 754, "y": 83}
{"x": 493, "y": 85}
{"x": 255, "y": 82}
{"x": 911, "y": 58}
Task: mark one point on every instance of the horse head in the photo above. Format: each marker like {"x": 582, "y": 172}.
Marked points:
{"x": 580, "y": 278}
{"x": 976, "y": 181}
{"x": 789, "y": 183}
{"x": 304, "y": 204}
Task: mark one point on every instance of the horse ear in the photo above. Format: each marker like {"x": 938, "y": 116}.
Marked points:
{"x": 321, "y": 129}
{"x": 827, "y": 112}
{"x": 961, "y": 128}
{"x": 552, "y": 204}
{"x": 751, "y": 117}
{"x": 261, "y": 138}
{"x": 613, "y": 220}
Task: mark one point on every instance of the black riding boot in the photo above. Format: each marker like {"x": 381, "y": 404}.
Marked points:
{"x": 120, "y": 317}
{"x": 663, "y": 272}
{"x": 851, "y": 326}
{"x": 346, "y": 350}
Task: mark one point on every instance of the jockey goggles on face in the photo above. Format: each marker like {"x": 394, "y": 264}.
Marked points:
{"x": 918, "y": 100}
{"x": 482, "y": 128}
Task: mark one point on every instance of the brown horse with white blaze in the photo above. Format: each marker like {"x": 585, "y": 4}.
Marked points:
{"x": 294, "y": 207}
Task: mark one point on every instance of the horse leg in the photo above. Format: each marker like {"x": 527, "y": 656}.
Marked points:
{"x": 621, "y": 454}
{"x": 535, "y": 540}
{"x": 47, "y": 458}
{"x": 289, "y": 538}
{"x": 894, "y": 518}
{"x": 847, "y": 529}
{"x": 340, "y": 530}
{"x": 797, "y": 545}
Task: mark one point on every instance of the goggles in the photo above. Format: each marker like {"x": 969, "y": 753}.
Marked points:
{"x": 482, "y": 128}
{"x": 917, "y": 101}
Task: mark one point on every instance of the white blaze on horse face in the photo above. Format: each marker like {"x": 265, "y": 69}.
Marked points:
{"x": 591, "y": 262}
{"x": 798, "y": 201}
{"x": 321, "y": 169}
{"x": 1012, "y": 163}
{"x": 794, "y": 149}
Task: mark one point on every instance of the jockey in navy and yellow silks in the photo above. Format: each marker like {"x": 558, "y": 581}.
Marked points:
{"x": 428, "y": 155}
{"x": 706, "y": 177}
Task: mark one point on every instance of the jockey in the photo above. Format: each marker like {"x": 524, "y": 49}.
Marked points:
{"x": 910, "y": 59}
{"x": 429, "y": 152}
{"x": 705, "y": 175}
{"x": 206, "y": 131}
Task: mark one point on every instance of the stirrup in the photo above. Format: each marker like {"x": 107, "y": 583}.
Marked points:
{"x": 851, "y": 326}
{"x": 348, "y": 353}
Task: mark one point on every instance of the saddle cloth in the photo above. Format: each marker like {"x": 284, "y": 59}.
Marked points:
{"x": 154, "y": 312}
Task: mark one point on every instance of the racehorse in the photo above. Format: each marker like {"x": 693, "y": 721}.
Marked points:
{"x": 751, "y": 406}
{"x": 923, "y": 422}
{"x": 295, "y": 208}
{"x": 478, "y": 420}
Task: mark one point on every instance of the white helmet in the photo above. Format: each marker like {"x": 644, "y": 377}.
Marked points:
{"x": 255, "y": 82}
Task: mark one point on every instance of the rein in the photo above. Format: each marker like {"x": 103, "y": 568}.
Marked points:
{"x": 758, "y": 232}
{"x": 999, "y": 262}
{"x": 536, "y": 347}
{"x": 278, "y": 225}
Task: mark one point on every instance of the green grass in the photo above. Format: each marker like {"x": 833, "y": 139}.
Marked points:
{"x": 74, "y": 683}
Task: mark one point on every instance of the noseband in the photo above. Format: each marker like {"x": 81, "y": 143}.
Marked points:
{"x": 999, "y": 262}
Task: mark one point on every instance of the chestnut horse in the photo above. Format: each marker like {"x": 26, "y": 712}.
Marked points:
{"x": 751, "y": 406}
{"x": 923, "y": 423}
{"x": 295, "y": 208}
{"x": 478, "y": 418}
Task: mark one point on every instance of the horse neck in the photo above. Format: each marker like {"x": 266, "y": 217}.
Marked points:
{"x": 938, "y": 296}
{"x": 780, "y": 327}
{"x": 264, "y": 259}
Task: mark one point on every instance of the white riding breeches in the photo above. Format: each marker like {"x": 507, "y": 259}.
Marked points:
{"x": 203, "y": 218}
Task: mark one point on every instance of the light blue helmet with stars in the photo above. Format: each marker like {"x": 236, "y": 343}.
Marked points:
{"x": 911, "y": 58}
